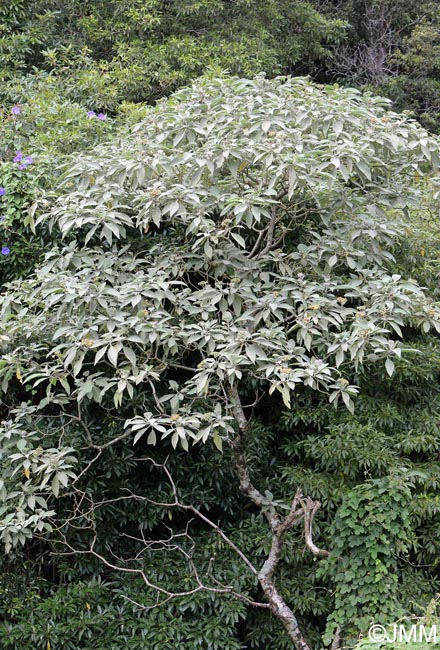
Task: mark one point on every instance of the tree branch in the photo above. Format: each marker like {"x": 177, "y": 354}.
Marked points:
{"x": 310, "y": 509}
{"x": 278, "y": 527}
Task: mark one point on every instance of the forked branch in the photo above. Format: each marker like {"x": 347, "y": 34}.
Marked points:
{"x": 301, "y": 509}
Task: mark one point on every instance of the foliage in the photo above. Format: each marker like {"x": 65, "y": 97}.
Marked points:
{"x": 394, "y": 426}
{"x": 25, "y": 26}
{"x": 429, "y": 620}
{"x": 141, "y": 50}
{"x": 371, "y": 529}
{"x": 393, "y": 47}
{"x": 417, "y": 84}
{"x": 181, "y": 194}
{"x": 47, "y": 122}
{"x": 218, "y": 219}
{"x": 39, "y": 129}
{"x": 241, "y": 235}
{"x": 90, "y": 612}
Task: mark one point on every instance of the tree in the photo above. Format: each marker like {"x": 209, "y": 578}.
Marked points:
{"x": 141, "y": 50}
{"x": 392, "y": 47}
{"x": 234, "y": 250}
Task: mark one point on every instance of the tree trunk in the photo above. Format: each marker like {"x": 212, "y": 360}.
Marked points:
{"x": 278, "y": 527}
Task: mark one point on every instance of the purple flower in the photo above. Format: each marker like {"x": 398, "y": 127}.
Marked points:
{"x": 16, "y": 110}
{"x": 22, "y": 167}
{"x": 5, "y": 250}
{"x": 102, "y": 116}
{"x": 2, "y": 191}
{"x": 91, "y": 114}
{"x": 2, "y": 218}
{"x": 28, "y": 160}
{"x": 18, "y": 156}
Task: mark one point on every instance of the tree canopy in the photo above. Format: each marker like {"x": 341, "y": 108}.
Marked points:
{"x": 232, "y": 256}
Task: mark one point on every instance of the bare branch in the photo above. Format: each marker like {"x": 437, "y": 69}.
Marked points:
{"x": 302, "y": 508}
{"x": 310, "y": 509}
{"x": 168, "y": 595}
{"x": 275, "y": 219}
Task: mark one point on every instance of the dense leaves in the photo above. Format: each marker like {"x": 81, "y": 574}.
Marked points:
{"x": 279, "y": 238}
{"x": 133, "y": 50}
{"x": 392, "y": 46}
{"x": 242, "y": 235}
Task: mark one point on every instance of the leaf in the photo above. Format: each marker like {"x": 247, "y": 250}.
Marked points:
{"x": 112, "y": 355}
{"x": 152, "y": 439}
{"x": 100, "y": 354}
{"x": 21, "y": 444}
{"x": 78, "y": 365}
{"x": 293, "y": 181}
{"x": 348, "y": 402}
{"x": 202, "y": 383}
{"x": 129, "y": 353}
{"x": 339, "y": 357}
{"x": 239, "y": 239}
{"x": 63, "y": 478}
{"x": 285, "y": 393}
{"x": 389, "y": 365}
{"x": 337, "y": 127}
{"x": 172, "y": 208}
{"x": 218, "y": 441}
{"x": 55, "y": 485}
{"x": 70, "y": 356}
{"x": 251, "y": 352}
{"x": 65, "y": 384}
{"x": 364, "y": 168}
{"x": 139, "y": 434}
